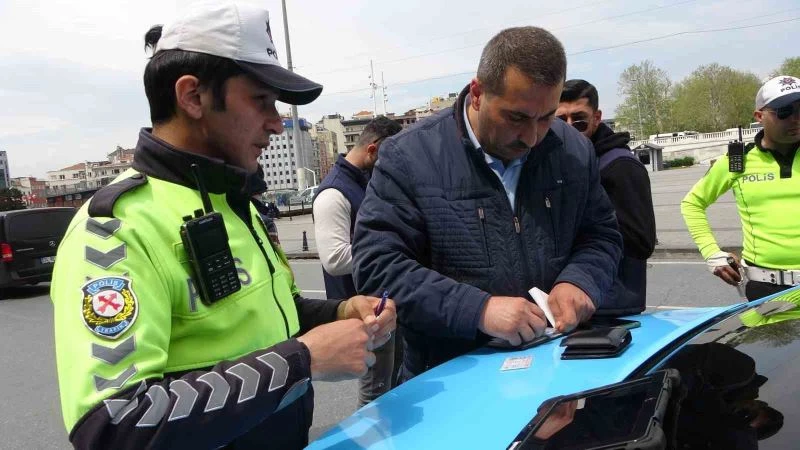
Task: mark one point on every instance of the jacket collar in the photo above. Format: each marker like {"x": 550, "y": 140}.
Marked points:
{"x": 158, "y": 159}
{"x": 551, "y": 140}
{"x": 605, "y": 139}
{"x": 354, "y": 172}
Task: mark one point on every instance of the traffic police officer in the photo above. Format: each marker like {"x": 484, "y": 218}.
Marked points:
{"x": 176, "y": 330}
{"x": 767, "y": 191}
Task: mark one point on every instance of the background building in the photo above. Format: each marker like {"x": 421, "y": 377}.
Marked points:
{"x": 326, "y": 141}
{"x": 333, "y": 123}
{"x": 281, "y": 170}
{"x": 352, "y": 130}
{"x": 74, "y": 185}
{"x": 436, "y": 104}
{"x": 73, "y": 176}
{"x": 5, "y": 181}
{"x": 34, "y": 191}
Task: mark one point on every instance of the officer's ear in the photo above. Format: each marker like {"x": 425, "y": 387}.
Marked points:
{"x": 188, "y": 96}
{"x": 758, "y": 115}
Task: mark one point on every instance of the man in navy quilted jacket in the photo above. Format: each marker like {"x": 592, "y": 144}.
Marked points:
{"x": 471, "y": 208}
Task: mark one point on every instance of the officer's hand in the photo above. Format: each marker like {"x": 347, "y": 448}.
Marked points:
{"x": 339, "y": 350}
{"x": 570, "y": 306}
{"x": 363, "y": 307}
{"x": 719, "y": 266}
{"x": 514, "y": 319}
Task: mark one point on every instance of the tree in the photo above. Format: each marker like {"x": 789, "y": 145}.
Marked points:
{"x": 714, "y": 98}
{"x": 646, "y": 106}
{"x": 11, "y": 199}
{"x": 790, "y": 66}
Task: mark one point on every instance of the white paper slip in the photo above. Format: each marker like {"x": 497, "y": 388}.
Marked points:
{"x": 540, "y": 297}
{"x": 517, "y": 362}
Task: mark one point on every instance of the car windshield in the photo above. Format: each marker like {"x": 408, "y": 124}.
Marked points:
{"x": 38, "y": 224}
{"x": 736, "y": 389}
{"x": 741, "y": 379}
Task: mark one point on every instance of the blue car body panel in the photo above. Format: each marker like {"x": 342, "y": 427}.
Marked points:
{"x": 470, "y": 403}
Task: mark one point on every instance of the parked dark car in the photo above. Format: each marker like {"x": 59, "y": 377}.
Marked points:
{"x": 29, "y": 239}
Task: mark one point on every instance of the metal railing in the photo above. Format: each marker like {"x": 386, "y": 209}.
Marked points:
{"x": 747, "y": 133}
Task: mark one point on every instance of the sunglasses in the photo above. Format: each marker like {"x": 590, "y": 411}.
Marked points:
{"x": 784, "y": 112}
{"x": 580, "y": 125}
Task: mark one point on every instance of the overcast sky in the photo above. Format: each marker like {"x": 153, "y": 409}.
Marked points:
{"x": 70, "y": 71}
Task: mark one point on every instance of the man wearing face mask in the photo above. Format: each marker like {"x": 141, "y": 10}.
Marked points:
{"x": 627, "y": 184}
{"x": 469, "y": 209}
{"x": 336, "y": 204}
{"x": 766, "y": 187}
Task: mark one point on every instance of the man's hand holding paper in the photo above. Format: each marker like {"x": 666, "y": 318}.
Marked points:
{"x": 565, "y": 307}
{"x": 514, "y": 319}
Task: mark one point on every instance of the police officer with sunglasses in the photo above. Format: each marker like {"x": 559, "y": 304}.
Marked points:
{"x": 767, "y": 192}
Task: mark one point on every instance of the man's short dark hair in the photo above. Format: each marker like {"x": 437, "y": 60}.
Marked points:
{"x": 167, "y": 66}
{"x": 380, "y": 127}
{"x": 532, "y": 50}
{"x": 575, "y": 90}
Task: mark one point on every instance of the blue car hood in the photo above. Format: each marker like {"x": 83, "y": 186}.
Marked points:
{"x": 470, "y": 403}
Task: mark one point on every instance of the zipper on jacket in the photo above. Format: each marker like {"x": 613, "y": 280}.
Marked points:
{"x": 549, "y": 208}
{"x": 271, "y": 273}
{"x": 523, "y": 250}
{"x": 482, "y": 217}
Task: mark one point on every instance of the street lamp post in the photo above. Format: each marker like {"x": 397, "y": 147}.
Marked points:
{"x": 313, "y": 174}
{"x": 298, "y": 145}
{"x": 639, "y": 109}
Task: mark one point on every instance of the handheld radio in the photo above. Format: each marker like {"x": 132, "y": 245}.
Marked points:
{"x": 736, "y": 154}
{"x": 206, "y": 243}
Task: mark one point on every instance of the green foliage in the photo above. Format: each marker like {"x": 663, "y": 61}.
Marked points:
{"x": 714, "y": 98}
{"x": 11, "y": 199}
{"x": 686, "y": 161}
{"x": 647, "y": 105}
{"x": 790, "y": 66}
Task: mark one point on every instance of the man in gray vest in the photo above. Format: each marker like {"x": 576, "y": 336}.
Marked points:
{"x": 336, "y": 204}
{"x": 627, "y": 184}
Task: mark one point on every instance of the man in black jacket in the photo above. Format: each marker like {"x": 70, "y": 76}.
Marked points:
{"x": 627, "y": 184}
{"x": 469, "y": 209}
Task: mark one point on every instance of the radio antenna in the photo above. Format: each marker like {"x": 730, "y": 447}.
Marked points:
{"x": 202, "y": 188}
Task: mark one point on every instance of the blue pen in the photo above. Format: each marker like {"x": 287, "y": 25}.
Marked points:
{"x": 382, "y": 304}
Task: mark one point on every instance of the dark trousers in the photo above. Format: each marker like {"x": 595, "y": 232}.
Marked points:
{"x": 755, "y": 290}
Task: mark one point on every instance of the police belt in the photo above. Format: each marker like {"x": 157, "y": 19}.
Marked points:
{"x": 773, "y": 276}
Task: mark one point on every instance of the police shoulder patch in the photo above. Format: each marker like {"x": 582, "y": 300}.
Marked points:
{"x": 109, "y": 306}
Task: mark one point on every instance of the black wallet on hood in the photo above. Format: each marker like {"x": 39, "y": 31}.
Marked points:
{"x": 596, "y": 343}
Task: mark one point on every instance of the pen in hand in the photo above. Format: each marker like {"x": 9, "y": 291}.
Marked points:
{"x": 382, "y": 303}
